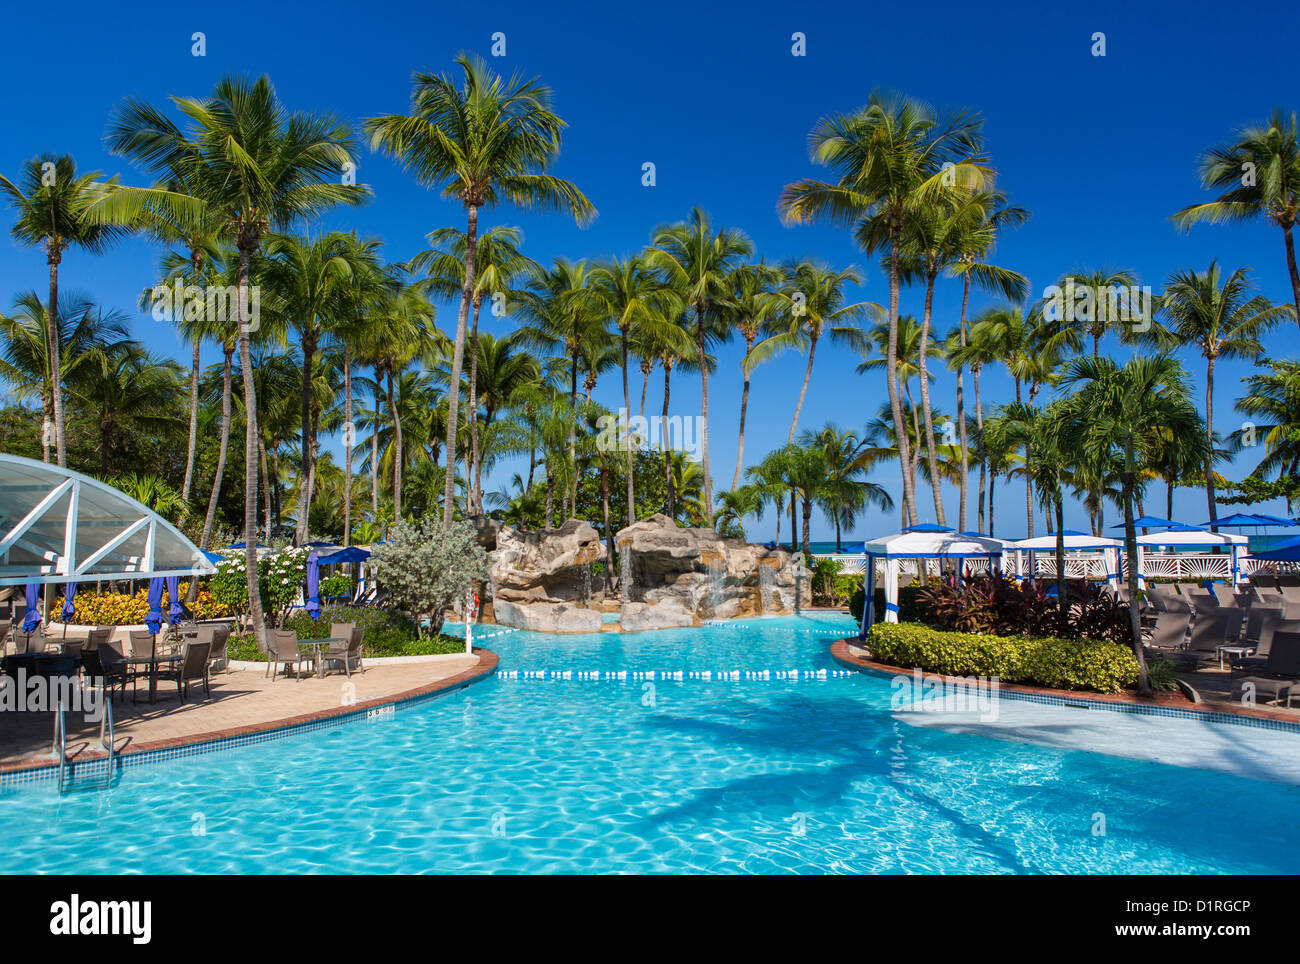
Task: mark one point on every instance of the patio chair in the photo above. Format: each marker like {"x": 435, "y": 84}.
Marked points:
{"x": 33, "y": 642}
{"x": 1281, "y": 672}
{"x": 1289, "y": 586}
{"x": 193, "y": 666}
{"x": 1224, "y": 593}
{"x": 1256, "y": 620}
{"x": 1167, "y": 599}
{"x": 346, "y": 648}
{"x": 142, "y": 642}
{"x": 285, "y": 651}
{"x": 1202, "y": 601}
{"x": 114, "y": 668}
{"x": 217, "y": 652}
{"x": 5, "y": 626}
{"x": 1169, "y": 631}
{"x": 1209, "y": 632}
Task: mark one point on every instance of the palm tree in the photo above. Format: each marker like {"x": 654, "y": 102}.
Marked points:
{"x": 488, "y": 141}
{"x": 1259, "y": 176}
{"x": 1117, "y": 416}
{"x": 1093, "y": 317}
{"x": 50, "y": 200}
{"x": 844, "y": 492}
{"x": 499, "y": 267}
{"x": 810, "y": 303}
{"x": 124, "y": 386}
{"x": 890, "y": 158}
{"x": 256, "y": 167}
{"x": 973, "y": 243}
{"x": 84, "y": 328}
{"x": 749, "y": 307}
{"x": 1274, "y": 398}
{"x": 733, "y": 505}
{"x": 696, "y": 263}
{"x": 633, "y": 296}
{"x": 1223, "y": 320}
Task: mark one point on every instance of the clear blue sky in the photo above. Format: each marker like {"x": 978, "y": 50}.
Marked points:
{"x": 1101, "y": 149}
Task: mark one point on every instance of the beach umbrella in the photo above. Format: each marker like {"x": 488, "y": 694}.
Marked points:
{"x": 313, "y": 585}
{"x": 1155, "y": 522}
{"x": 1285, "y": 551}
{"x": 1239, "y": 520}
{"x": 1277, "y": 520}
{"x": 929, "y": 527}
{"x": 355, "y": 554}
{"x": 154, "y": 619}
{"x": 175, "y": 610}
{"x": 32, "y": 619}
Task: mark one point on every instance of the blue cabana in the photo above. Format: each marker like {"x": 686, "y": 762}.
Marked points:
{"x": 350, "y": 554}
{"x": 929, "y": 527}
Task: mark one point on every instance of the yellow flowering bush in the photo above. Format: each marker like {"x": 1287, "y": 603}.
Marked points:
{"x": 120, "y": 609}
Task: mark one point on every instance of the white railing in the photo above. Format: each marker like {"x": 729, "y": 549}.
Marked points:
{"x": 1077, "y": 566}
{"x": 1185, "y": 565}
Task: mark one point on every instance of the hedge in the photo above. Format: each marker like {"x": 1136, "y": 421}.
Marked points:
{"x": 1063, "y": 664}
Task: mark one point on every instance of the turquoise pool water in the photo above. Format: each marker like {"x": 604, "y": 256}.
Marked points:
{"x": 602, "y": 775}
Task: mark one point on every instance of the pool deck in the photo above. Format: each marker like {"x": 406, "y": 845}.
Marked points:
{"x": 1213, "y": 687}
{"x": 243, "y": 701}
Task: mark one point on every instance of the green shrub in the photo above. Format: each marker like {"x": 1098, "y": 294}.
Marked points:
{"x": 383, "y": 633}
{"x": 909, "y": 604}
{"x": 1064, "y": 664}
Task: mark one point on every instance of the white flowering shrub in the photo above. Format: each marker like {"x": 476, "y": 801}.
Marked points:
{"x": 281, "y": 578}
{"x": 425, "y": 570}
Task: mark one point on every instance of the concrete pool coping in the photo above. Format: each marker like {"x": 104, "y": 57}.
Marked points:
{"x": 94, "y": 762}
{"x": 847, "y": 653}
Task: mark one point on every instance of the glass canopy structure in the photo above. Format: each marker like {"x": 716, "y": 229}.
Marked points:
{"x": 60, "y": 526}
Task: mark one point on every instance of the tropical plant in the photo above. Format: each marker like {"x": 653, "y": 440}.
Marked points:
{"x": 426, "y": 568}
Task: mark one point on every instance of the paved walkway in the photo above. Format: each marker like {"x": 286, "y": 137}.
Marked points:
{"x": 240, "y": 700}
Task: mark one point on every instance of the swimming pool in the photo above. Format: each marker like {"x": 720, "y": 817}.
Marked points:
{"x": 600, "y": 774}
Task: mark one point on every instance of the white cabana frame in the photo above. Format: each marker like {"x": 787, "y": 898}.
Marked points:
{"x": 1078, "y": 546}
{"x": 1194, "y": 539}
{"x": 59, "y": 526}
{"x": 891, "y": 550}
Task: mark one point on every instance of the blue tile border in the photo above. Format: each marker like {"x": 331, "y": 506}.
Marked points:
{"x": 97, "y": 768}
{"x": 1114, "y": 706}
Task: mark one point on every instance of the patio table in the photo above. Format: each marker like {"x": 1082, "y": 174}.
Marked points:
{"x": 1234, "y": 651}
{"x": 318, "y": 646}
{"x": 153, "y": 662}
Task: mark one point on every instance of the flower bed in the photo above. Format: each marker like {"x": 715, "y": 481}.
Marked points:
{"x": 120, "y": 609}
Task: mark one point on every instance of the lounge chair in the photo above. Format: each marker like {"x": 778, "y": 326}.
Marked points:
{"x": 1263, "y": 642}
{"x": 5, "y": 626}
{"x": 1167, "y": 599}
{"x": 1222, "y": 627}
{"x": 193, "y": 666}
{"x": 1289, "y": 586}
{"x": 1202, "y": 601}
{"x": 1169, "y": 631}
{"x": 285, "y": 651}
{"x": 1223, "y": 593}
{"x": 33, "y": 642}
{"x": 1282, "y": 671}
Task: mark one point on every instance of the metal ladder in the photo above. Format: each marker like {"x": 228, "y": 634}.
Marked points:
{"x": 106, "y": 741}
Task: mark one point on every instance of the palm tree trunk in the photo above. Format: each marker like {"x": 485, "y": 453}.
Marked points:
{"x": 645, "y": 385}
{"x": 936, "y": 483}
{"x": 56, "y": 367}
{"x": 194, "y": 423}
{"x": 304, "y": 486}
{"x": 627, "y": 407}
{"x": 979, "y": 429}
{"x": 744, "y": 408}
{"x": 349, "y": 432}
{"x": 807, "y": 377}
{"x": 807, "y": 522}
{"x": 1209, "y": 441}
{"x": 550, "y": 495}
{"x": 397, "y": 446}
{"x": 668, "y": 462}
{"x": 704, "y": 415}
{"x": 609, "y": 529}
{"x": 1291, "y": 268}
{"x": 374, "y": 446}
{"x": 457, "y": 358}
{"x": 1130, "y": 548}
{"x": 474, "y": 497}
{"x": 47, "y": 421}
{"x": 1062, "y": 598}
{"x": 261, "y": 455}
{"x": 226, "y": 404}
{"x": 573, "y": 434}
{"x": 993, "y": 481}
{"x": 250, "y": 452}
{"x": 891, "y": 374}
{"x": 961, "y": 412}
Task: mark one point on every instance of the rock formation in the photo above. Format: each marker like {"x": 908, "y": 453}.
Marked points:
{"x": 542, "y": 580}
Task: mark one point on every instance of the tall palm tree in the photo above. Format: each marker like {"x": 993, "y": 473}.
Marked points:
{"x": 1093, "y": 318}
{"x": 490, "y": 140}
{"x": 499, "y": 268}
{"x": 253, "y": 165}
{"x": 1222, "y": 319}
{"x": 1259, "y": 176}
{"x": 696, "y": 263}
{"x": 809, "y": 303}
{"x": 749, "y": 308}
{"x": 1118, "y": 415}
{"x": 633, "y": 296}
{"x": 1273, "y": 396}
{"x": 50, "y": 201}
{"x": 973, "y": 242}
{"x": 890, "y": 157}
